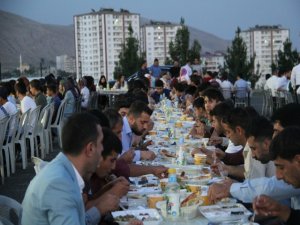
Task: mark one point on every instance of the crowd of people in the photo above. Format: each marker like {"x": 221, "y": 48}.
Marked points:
{"x": 84, "y": 183}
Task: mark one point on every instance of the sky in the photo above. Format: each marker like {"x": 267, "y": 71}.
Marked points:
{"x": 219, "y": 17}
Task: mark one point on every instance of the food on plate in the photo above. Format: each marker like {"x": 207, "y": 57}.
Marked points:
{"x": 167, "y": 153}
{"x": 125, "y": 218}
{"x": 192, "y": 199}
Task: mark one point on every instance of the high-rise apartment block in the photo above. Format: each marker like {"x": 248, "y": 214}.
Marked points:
{"x": 155, "y": 40}
{"x": 99, "y": 36}
{"x": 213, "y": 61}
{"x": 264, "y": 42}
{"x": 65, "y": 63}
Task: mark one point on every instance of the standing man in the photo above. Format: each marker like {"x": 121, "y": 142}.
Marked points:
{"x": 155, "y": 70}
{"x": 54, "y": 196}
{"x": 197, "y": 66}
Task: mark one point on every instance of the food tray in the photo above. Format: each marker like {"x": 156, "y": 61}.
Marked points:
{"x": 148, "y": 216}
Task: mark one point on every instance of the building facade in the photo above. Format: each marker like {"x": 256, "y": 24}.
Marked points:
{"x": 66, "y": 63}
{"x": 213, "y": 61}
{"x": 264, "y": 42}
{"x": 99, "y": 37}
{"x": 155, "y": 40}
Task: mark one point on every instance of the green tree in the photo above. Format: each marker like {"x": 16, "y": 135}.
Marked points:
{"x": 128, "y": 58}
{"x": 194, "y": 51}
{"x": 180, "y": 49}
{"x": 287, "y": 58}
{"x": 236, "y": 58}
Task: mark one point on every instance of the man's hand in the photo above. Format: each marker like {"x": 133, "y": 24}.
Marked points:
{"x": 160, "y": 171}
{"x": 120, "y": 187}
{"x": 147, "y": 155}
{"x": 128, "y": 155}
{"x": 217, "y": 191}
{"x": 266, "y": 206}
{"x": 107, "y": 203}
{"x": 215, "y": 141}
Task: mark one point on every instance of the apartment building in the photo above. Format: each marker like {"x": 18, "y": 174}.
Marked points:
{"x": 213, "y": 61}
{"x": 66, "y": 63}
{"x": 155, "y": 40}
{"x": 99, "y": 36}
{"x": 264, "y": 42}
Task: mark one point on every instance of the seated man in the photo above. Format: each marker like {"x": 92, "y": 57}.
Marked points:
{"x": 101, "y": 181}
{"x": 54, "y": 195}
{"x": 160, "y": 92}
{"x": 285, "y": 151}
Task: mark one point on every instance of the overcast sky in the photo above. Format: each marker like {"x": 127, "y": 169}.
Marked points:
{"x": 219, "y": 17}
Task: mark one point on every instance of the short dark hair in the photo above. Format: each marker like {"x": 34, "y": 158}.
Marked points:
{"x": 237, "y": 117}
{"x": 286, "y": 144}
{"x": 111, "y": 143}
{"x": 199, "y": 103}
{"x": 52, "y": 87}
{"x": 113, "y": 117}
{"x": 287, "y": 115}
{"x": 104, "y": 122}
{"x": 221, "y": 110}
{"x": 137, "y": 108}
{"x": 123, "y": 103}
{"x": 179, "y": 87}
{"x": 196, "y": 80}
{"x": 78, "y": 131}
{"x": 3, "y": 92}
{"x": 21, "y": 88}
{"x": 36, "y": 84}
{"x": 159, "y": 83}
{"x": 156, "y": 60}
{"x": 190, "y": 90}
{"x": 213, "y": 93}
{"x": 260, "y": 128}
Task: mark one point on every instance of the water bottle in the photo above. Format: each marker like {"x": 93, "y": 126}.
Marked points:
{"x": 173, "y": 196}
{"x": 181, "y": 154}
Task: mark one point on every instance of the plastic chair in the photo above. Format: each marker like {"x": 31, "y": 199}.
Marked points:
{"x": 47, "y": 128}
{"x": 58, "y": 123}
{"x": 3, "y": 128}
{"x": 227, "y": 93}
{"x": 10, "y": 210}
{"x": 39, "y": 164}
{"x": 34, "y": 118}
{"x": 20, "y": 139}
{"x": 241, "y": 97}
{"x": 258, "y": 101}
{"x": 78, "y": 104}
{"x": 9, "y": 145}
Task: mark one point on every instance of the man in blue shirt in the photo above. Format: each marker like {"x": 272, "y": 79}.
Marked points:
{"x": 136, "y": 122}
{"x": 155, "y": 69}
{"x": 160, "y": 91}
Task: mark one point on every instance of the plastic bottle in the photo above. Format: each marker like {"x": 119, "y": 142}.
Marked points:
{"x": 181, "y": 154}
{"x": 173, "y": 196}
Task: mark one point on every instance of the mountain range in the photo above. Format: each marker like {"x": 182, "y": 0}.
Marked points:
{"x": 36, "y": 41}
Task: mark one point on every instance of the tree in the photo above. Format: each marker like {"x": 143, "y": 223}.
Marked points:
{"x": 194, "y": 51}
{"x": 180, "y": 49}
{"x": 128, "y": 57}
{"x": 287, "y": 58}
{"x": 236, "y": 58}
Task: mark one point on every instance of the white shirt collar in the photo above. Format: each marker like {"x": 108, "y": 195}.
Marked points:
{"x": 79, "y": 179}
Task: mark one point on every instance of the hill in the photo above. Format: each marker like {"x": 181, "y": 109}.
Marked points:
{"x": 34, "y": 41}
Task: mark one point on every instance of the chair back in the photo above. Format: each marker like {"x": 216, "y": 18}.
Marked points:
{"x": 13, "y": 126}
{"x": 93, "y": 100}
{"x": 60, "y": 113}
{"x": 34, "y": 118}
{"x": 78, "y": 104}
{"x": 3, "y": 130}
{"x": 23, "y": 125}
{"x": 258, "y": 101}
{"x": 227, "y": 93}
{"x": 10, "y": 210}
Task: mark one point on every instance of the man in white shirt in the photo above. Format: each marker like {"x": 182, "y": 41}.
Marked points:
{"x": 271, "y": 83}
{"x": 85, "y": 93}
{"x": 185, "y": 73}
{"x": 226, "y": 86}
{"x": 26, "y": 102}
{"x": 295, "y": 78}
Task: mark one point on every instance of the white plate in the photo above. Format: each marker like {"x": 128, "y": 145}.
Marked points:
{"x": 145, "y": 190}
{"x": 140, "y": 214}
{"x": 224, "y": 212}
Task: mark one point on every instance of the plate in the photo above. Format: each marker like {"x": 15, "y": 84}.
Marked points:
{"x": 148, "y": 216}
{"x": 144, "y": 190}
{"x": 224, "y": 212}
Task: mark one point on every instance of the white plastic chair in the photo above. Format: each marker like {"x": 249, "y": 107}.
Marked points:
{"x": 20, "y": 139}
{"x": 9, "y": 145}
{"x": 58, "y": 123}
{"x": 47, "y": 128}
{"x": 3, "y": 128}
{"x": 10, "y": 210}
{"x": 39, "y": 164}
{"x": 32, "y": 134}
